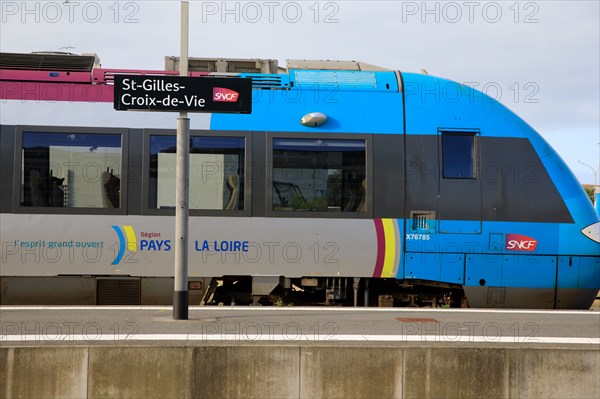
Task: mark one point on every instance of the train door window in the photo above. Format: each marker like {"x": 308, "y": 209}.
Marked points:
{"x": 216, "y": 173}
{"x": 319, "y": 175}
{"x": 459, "y": 155}
{"x": 71, "y": 170}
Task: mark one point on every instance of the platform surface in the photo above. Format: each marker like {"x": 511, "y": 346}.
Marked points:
{"x": 60, "y": 325}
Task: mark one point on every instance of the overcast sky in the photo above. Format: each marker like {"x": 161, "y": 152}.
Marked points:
{"x": 539, "y": 58}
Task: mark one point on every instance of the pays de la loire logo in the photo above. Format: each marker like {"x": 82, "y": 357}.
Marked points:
{"x": 127, "y": 240}
{"x": 221, "y": 94}
{"x": 149, "y": 241}
{"x": 518, "y": 242}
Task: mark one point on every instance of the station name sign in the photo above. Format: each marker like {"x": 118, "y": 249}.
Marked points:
{"x": 183, "y": 93}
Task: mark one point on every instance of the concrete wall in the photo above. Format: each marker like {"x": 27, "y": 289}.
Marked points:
{"x": 291, "y": 371}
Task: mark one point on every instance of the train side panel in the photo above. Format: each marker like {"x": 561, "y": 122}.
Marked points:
{"x": 143, "y": 246}
{"x": 509, "y": 222}
{"x": 459, "y": 192}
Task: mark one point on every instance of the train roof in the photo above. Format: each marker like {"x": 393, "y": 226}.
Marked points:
{"x": 83, "y": 69}
{"x": 50, "y": 61}
{"x": 86, "y": 62}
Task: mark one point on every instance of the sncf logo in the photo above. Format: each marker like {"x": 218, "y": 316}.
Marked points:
{"x": 518, "y": 242}
{"x": 221, "y": 94}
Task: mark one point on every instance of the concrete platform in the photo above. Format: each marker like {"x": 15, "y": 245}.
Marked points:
{"x": 141, "y": 352}
{"x": 127, "y": 324}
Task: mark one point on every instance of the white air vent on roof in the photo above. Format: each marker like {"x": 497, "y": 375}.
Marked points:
{"x": 225, "y": 65}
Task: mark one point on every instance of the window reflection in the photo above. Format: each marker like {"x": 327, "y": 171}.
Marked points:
{"x": 216, "y": 173}
{"x": 326, "y": 175}
{"x": 71, "y": 170}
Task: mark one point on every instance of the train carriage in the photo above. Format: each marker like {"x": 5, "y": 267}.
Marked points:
{"x": 347, "y": 183}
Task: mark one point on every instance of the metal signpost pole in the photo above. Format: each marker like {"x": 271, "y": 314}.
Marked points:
{"x": 180, "y": 293}
{"x": 184, "y": 94}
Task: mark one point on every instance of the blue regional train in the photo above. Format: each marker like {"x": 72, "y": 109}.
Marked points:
{"x": 346, "y": 184}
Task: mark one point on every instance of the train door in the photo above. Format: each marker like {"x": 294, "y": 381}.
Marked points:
{"x": 459, "y": 199}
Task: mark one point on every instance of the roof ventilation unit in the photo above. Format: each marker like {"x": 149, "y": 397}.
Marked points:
{"x": 225, "y": 65}
{"x": 50, "y": 61}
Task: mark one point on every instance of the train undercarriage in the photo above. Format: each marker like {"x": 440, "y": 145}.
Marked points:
{"x": 229, "y": 291}
{"x": 332, "y": 291}
{"x": 90, "y": 290}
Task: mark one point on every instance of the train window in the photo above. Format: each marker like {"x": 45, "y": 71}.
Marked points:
{"x": 324, "y": 175}
{"x": 459, "y": 155}
{"x": 71, "y": 170}
{"x": 216, "y": 172}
